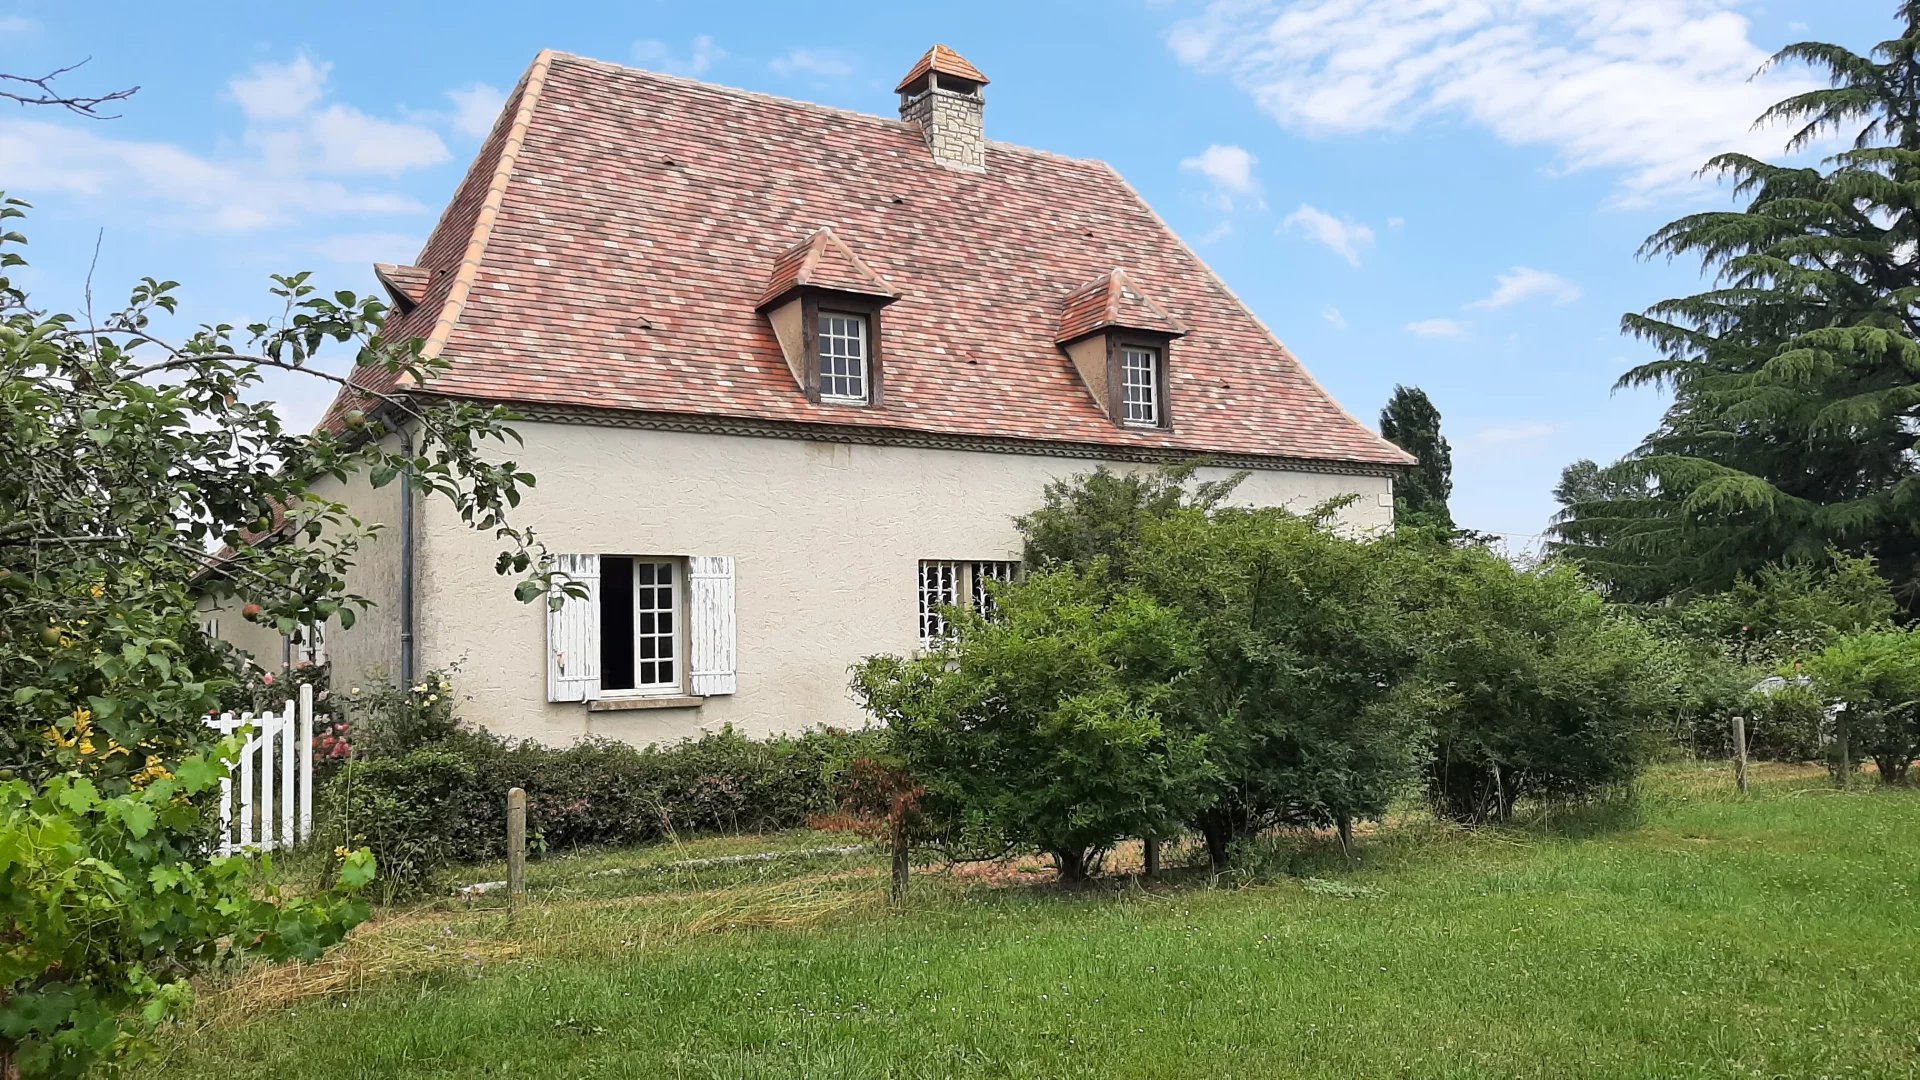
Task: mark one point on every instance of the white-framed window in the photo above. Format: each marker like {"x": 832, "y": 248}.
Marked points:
{"x": 629, "y": 626}
{"x": 1140, "y": 386}
{"x": 942, "y": 582}
{"x": 640, "y": 635}
{"x": 843, "y": 357}
{"x": 210, "y": 626}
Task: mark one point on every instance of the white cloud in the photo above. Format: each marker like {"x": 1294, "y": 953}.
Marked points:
{"x": 1437, "y": 328}
{"x": 1332, "y": 315}
{"x": 1229, "y": 168}
{"x": 280, "y": 91}
{"x": 192, "y": 189}
{"x": 279, "y": 169}
{"x": 1525, "y": 283}
{"x": 475, "y": 108}
{"x": 821, "y": 65}
{"x": 346, "y": 140}
{"x": 1395, "y": 222}
{"x": 365, "y": 248}
{"x": 1346, "y": 237}
{"x": 660, "y": 56}
{"x": 17, "y": 24}
{"x": 1216, "y": 234}
{"x": 1647, "y": 88}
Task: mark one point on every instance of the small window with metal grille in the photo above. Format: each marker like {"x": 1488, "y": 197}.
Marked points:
{"x": 943, "y": 582}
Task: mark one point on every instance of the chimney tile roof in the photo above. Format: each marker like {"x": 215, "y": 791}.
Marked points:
{"x": 945, "y": 61}
{"x": 607, "y": 249}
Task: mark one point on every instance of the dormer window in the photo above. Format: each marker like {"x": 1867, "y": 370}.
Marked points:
{"x": 843, "y": 357}
{"x": 1121, "y": 344}
{"x": 1140, "y": 386}
{"x": 823, "y": 303}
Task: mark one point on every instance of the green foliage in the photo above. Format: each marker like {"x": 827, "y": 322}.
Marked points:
{"x": 1099, "y": 516}
{"x": 1046, "y": 726}
{"x": 433, "y": 805}
{"x": 1796, "y": 378}
{"x": 1789, "y": 723}
{"x": 1411, "y": 422}
{"x": 1875, "y": 675}
{"x": 1535, "y": 688}
{"x": 129, "y": 458}
{"x": 388, "y": 720}
{"x": 108, "y": 906}
{"x": 1783, "y": 614}
{"x": 1299, "y": 645}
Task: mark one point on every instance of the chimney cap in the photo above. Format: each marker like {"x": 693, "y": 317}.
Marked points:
{"x": 942, "y": 60}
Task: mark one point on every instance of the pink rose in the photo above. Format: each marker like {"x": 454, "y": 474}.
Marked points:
{"x": 267, "y": 679}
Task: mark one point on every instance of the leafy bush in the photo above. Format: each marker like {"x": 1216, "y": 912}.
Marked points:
{"x": 1045, "y": 727}
{"x": 387, "y": 720}
{"x": 445, "y": 802}
{"x": 1789, "y": 723}
{"x": 1875, "y": 676}
{"x": 1299, "y": 650}
{"x": 108, "y": 906}
{"x": 1535, "y": 688}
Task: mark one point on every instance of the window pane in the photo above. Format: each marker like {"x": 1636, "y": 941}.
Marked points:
{"x": 843, "y": 357}
{"x": 1140, "y": 385}
{"x": 654, "y": 644}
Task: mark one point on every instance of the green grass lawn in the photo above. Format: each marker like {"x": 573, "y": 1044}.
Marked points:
{"x": 1703, "y": 935}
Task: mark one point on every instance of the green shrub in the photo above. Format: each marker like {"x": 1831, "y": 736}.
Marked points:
{"x": 1789, "y": 723}
{"x": 1044, "y": 727}
{"x": 1875, "y": 676}
{"x": 445, "y": 802}
{"x": 1536, "y": 689}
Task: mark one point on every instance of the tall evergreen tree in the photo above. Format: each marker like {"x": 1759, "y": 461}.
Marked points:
{"x": 1411, "y": 423}
{"x": 1796, "y": 379}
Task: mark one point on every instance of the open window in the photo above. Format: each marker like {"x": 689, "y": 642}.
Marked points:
{"x": 649, "y": 626}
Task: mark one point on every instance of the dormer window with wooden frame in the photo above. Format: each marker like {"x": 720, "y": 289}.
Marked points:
{"x": 1121, "y": 343}
{"x": 824, "y": 305}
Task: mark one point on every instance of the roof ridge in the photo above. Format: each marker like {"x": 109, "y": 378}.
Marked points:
{"x": 811, "y": 106}
{"x": 455, "y": 303}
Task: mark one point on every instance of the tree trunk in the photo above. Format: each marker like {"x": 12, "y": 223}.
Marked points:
{"x": 1152, "y": 856}
{"x": 901, "y": 857}
{"x": 1343, "y": 828}
{"x": 1219, "y": 835}
{"x": 1072, "y": 866}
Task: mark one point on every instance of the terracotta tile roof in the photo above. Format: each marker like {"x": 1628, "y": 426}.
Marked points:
{"x": 609, "y": 245}
{"x": 1112, "y": 300}
{"x": 407, "y": 282}
{"x": 823, "y": 262}
{"x": 945, "y": 61}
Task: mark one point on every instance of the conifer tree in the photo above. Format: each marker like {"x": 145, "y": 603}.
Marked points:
{"x": 1410, "y": 422}
{"x": 1796, "y": 378}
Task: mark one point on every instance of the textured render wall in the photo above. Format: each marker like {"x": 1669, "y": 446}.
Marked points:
{"x": 371, "y": 649}
{"x": 827, "y": 538}
{"x": 264, "y": 644}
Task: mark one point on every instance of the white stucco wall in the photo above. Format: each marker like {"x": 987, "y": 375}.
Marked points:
{"x": 827, "y": 539}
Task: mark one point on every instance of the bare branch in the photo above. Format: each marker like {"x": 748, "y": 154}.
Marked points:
{"x": 28, "y": 90}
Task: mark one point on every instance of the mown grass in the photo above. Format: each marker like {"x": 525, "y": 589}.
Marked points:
{"x": 1704, "y": 934}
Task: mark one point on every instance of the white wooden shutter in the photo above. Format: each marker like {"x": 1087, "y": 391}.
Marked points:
{"x": 573, "y": 634}
{"x": 710, "y": 604}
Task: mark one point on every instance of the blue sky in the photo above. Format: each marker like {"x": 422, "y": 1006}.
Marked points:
{"x": 1446, "y": 193}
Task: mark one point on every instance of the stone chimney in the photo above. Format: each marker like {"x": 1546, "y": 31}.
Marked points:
{"x": 942, "y": 95}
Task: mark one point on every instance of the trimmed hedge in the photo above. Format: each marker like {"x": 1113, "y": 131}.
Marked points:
{"x": 445, "y": 802}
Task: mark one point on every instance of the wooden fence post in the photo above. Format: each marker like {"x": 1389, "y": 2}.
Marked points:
{"x": 902, "y": 853}
{"x": 1152, "y": 854}
{"x": 1841, "y": 731}
{"x": 1343, "y": 828}
{"x": 516, "y": 847}
{"x": 1740, "y": 753}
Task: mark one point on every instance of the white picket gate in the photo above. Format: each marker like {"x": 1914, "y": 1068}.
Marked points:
{"x": 266, "y": 800}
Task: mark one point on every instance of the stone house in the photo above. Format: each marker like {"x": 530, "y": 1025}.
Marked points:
{"x": 788, "y": 374}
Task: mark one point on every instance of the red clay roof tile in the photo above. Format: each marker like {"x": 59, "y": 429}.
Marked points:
{"x": 614, "y": 248}
{"x": 1112, "y": 300}
{"x": 823, "y": 262}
